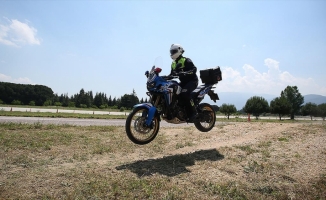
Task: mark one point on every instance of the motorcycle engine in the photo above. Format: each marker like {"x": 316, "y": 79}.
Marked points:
{"x": 180, "y": 114}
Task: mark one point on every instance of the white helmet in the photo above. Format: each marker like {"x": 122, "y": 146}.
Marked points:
{"x": 176, "y": 50}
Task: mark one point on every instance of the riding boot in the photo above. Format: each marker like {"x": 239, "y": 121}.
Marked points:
{"x": 193, "y": 117}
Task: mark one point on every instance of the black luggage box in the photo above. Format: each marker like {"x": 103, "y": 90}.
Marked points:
{"x": 211, "y": 76}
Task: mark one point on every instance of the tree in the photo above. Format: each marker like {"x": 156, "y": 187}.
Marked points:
{"x": 100, "y": 100}
{"x": 64, "y": 99}
{"x": 110, "y": 101}
{"x": 129, "y": 100}
{"x": 280, "y": 106}
{"x": 114, "y": 102}
{"x": 256, "y": 106}
{"x": 43, "y": 94}
{"x": 227, "y": 109}
{"x": 321, "y": 110}
{"x": 309, "y": 109}
{"x": 293, "y": 96}
{"x": 25, "y": 93}
{"x": 84, "y": 99}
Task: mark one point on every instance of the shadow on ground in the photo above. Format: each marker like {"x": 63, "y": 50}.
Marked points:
{"x": 171, "y": 165}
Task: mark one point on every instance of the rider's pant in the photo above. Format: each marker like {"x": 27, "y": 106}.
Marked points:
{"x": 185, "y": 94}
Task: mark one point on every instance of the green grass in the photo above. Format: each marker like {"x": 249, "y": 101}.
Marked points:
{"x": 60, "y": 107}
{"x": 61, "y": 115}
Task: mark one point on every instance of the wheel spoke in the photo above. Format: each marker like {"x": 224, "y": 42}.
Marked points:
{"x": 138, "y": 128}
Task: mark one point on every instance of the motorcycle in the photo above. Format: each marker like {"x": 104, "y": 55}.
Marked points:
{"x": 143, "y": 123}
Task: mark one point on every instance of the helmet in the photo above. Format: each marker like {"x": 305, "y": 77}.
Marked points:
{"x": 176, "y": 50}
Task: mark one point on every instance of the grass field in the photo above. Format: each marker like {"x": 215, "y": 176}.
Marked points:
{"x": 61, "y": 115}
{"x": 237, "y": 160}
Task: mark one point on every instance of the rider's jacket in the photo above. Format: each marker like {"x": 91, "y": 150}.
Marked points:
{"x": 183, "y": 64}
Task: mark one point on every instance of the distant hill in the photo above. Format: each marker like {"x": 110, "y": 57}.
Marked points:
{"x": 239, "y": 99}
{"x": 314, "y": 98}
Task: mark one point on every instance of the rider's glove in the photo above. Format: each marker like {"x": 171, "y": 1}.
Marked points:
{"x": 180, "y": 74}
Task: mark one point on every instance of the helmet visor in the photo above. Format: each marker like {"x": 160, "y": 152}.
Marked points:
{"x": 173, "y": 51}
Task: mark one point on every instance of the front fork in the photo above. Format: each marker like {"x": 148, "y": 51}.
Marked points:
{"x": 151, "y": 112}
{"x": 150, "y": 116}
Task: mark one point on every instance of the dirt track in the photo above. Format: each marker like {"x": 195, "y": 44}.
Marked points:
{"x": 256, "y": 160}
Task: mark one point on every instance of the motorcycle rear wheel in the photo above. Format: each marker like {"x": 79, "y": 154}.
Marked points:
{"x": 136, "y": 130}
{"x": 208, "y": 120}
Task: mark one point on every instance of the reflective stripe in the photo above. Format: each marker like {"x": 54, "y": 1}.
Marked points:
{"x": 182, "y": 61}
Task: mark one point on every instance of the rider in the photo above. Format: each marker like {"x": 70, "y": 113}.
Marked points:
{"x": 186, "y": 70}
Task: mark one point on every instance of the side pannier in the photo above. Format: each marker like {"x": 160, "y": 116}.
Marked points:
{"x": 211, "y": 75}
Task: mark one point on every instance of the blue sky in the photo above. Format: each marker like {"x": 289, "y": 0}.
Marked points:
{"x": 106, "y": 46}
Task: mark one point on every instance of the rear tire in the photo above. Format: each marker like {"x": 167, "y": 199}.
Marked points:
{"x": 136, "y": 130}
{"x": 207, "y": 121}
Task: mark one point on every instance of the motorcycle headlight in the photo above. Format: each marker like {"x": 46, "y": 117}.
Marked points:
{"x": 150, "y": 85}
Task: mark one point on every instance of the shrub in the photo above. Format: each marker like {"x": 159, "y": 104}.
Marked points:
{"x": 83, "y": 105}
{"x": 71, "y": 104}
{"x": 114, "y": 107}
{"x": 47, "y": 103}
{"x": 58, "y": 104}
{"x": 16, "y": 102}
{"x": 32, "y": 103}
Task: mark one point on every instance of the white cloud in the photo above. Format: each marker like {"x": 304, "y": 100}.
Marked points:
{"x": 17, "y": 33}
{"x": 24, "y": 80}
{"x": 272, "y": 81}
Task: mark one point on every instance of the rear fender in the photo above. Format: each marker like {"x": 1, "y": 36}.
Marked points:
{"x": 206, "y": 89}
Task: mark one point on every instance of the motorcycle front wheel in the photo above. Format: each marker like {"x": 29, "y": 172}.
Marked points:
{"x": 208, "y": 118}
{"x": 136, "y": 128}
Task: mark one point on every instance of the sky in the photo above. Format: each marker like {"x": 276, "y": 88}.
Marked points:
{"x": 107, "y": 45}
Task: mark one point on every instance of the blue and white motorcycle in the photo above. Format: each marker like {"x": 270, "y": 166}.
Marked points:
{"x": 143, "y": 123}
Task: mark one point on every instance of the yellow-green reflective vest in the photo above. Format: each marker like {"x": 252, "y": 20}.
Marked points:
{"x": 181, "y": 60}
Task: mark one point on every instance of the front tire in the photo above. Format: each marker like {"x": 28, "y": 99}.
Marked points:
{"x": 208, "y": 118}
{"x": 136, "y": 130}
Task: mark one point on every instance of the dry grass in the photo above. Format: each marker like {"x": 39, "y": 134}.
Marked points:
{"x": 233, "y": 161}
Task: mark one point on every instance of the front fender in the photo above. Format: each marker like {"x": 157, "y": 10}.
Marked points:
{"x": 145, "y": 105}
{"x": 152, "y": 111}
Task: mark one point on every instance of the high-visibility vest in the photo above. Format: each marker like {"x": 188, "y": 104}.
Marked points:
{"x": 181, "y": 60}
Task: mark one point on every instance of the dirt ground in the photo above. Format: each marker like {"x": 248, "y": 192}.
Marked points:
{"x": 237, "y": 160}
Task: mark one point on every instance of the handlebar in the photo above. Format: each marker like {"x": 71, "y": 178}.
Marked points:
{"x": 169, "y": 77}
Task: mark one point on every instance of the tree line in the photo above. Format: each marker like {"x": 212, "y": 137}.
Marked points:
{"x": 40, "y": 95}
{"x": 289, "y": 103}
